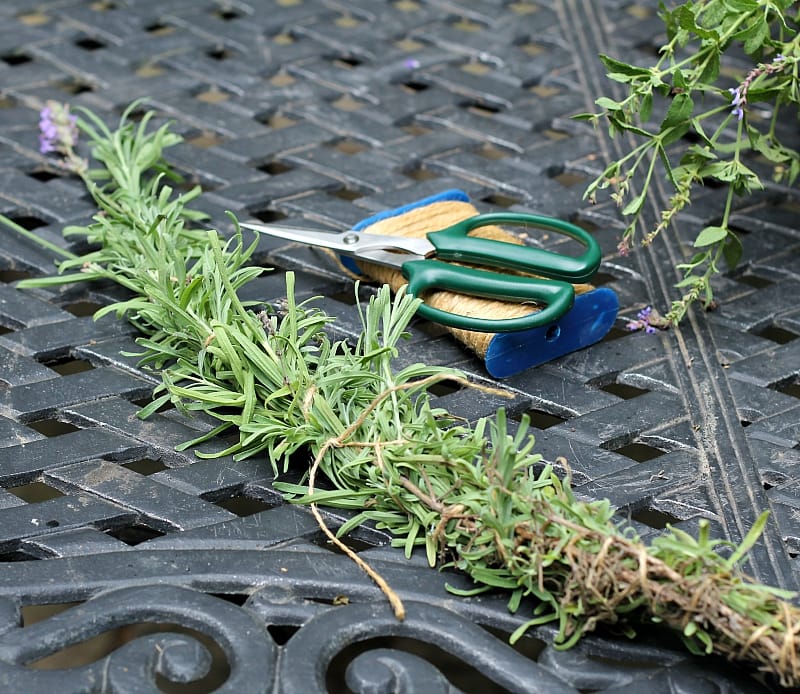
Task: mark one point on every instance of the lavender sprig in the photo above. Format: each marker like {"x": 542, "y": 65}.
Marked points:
{"x": 649, "y": 320}
{"x": 58, "y": 134}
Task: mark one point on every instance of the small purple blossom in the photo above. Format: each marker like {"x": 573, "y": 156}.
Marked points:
{"x": 58, "y": 130}
{"x": 647, "y": 319}
{"x": 411, "y": 63}
{"x": 738, "y": 101}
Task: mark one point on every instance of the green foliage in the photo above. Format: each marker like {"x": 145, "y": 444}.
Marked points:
{"x": 474, "y": 497}
{"x": 687, "y": 81}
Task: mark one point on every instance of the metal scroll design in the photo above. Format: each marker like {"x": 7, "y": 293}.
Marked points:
{"x": 324, "y": 632}
{"x": 250, "y": 652}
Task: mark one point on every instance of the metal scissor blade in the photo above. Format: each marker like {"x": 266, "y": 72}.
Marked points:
{"x": 351, "y": 242}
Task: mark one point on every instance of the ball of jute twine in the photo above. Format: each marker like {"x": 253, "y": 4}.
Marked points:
{"x": 416, "y": 223}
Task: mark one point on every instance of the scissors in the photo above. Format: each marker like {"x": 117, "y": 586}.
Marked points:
{"x": 420, "y": 262}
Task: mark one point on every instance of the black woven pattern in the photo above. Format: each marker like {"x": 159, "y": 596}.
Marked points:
{"x": 325, "y": 112}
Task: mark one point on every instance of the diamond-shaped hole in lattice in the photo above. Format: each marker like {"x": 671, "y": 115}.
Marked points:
{"x": 226, "y": 14}
{"x": 777, "y": 334}
{"x": 445, "y": 388}
{"x": 268, "y": 215}
{"x": 204, "y": 139}
{"x": 345, "y": 193}
{"x": 754, "y": 281}
{"x": 276, "y": 120}
{"x": 89, "y": 44}
{"x": 544, "y": 420}
{"x": 82, "y": 308}
{"x": 14, "y": 59}
{"x": 654, "y": 518}
{"x": 159, "y": 29}
{"x": 16, "y": 555}
{"x": 9, "y": 276}
{"x": 145, "y": 466}
{"x": 144, "y": 402}
{"x": 565, "y": 177}
{"x": 52, "y": 427}
{"x": 348, "y": 62}
{"x": 347, "y": 102}
{"x": 43, "y": 175}
{"x": 615, "y": 334}
{"x": 135, "y": 534}
{"x": 211, "y": 95}
{"x": 623, "y": 390}
{"x": 481, "y": 109}
{"x": 274, "y": 167}
{"x": 220, "y": 53}
{"x": 353, "y": 543}
{"x": 501, "y": 200}
{"x": 546, "y": 91}
{"x": 489, "y": 151}
{"x": 68, "y": 365}
{"x": 420, "y": 173}
{"x": 243, "y": 505}
{"x": 791, "y": 387}
{"x": 35, "y": 492}
{"x": 348, "y": 145}
{"x": 75, "y": 87}
{"x": 555, "y": 134}
{"x": 33, "y": 18}
{"x": 29, "y": 222}
{"x": 639, "y": 452}
{"x": 413, "y": 86}
{"x": 602, "y": 278}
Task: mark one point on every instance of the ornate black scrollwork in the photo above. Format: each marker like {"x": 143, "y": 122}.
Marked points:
{"x": 251, "y": 654}
{"x": 310, "y": 651}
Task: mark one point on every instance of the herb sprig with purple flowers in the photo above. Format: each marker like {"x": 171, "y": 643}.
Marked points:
{"x": 708, "y": 127}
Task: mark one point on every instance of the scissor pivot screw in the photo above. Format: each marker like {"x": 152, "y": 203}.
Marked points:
{"x": 350, "y": 239}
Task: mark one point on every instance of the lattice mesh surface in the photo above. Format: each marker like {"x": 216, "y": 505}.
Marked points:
{"x": 326, "y": 112}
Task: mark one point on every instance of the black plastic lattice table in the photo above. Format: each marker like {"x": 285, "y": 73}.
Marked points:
{"x": 326, "y": 112}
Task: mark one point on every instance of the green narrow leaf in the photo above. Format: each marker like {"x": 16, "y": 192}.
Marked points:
{"x": 617, "y": 66}
{"x": 732, "y": 250}
{"x": 679, "y": 112}
{"x": 608, "y": 104}
{"x": 646, "y": 107}
{"x": 750, "y": 539}
{"x": 710, "y": 235}
{"x": 635, "y": 205}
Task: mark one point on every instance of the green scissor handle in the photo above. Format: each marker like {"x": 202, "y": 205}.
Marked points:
{"x": 432, "y": 274}
{"x": 453, "y": 243}
{"x": 555, "y": 290}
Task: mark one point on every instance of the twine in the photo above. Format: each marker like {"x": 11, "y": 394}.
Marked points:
{"x": 422, "y": 220}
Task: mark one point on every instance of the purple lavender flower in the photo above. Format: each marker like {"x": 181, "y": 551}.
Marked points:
{"x": 58, "y": 130}
{"x": 738, "y": 101}
{"x": 647, "y": 320}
